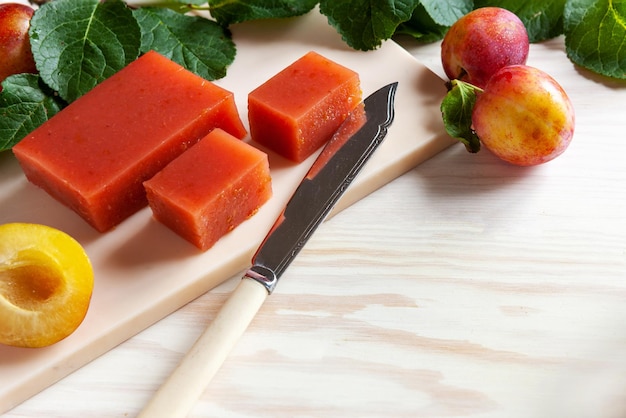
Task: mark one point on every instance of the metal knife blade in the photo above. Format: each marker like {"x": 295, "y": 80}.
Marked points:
{"x": 331, "y": 173}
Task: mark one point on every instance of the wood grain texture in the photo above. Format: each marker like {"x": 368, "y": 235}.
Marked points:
{"x": 465, "y": 288}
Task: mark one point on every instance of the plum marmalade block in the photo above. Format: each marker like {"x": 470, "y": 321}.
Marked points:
{"x": 210, "y": 189}
{"x": 94, "y": 155}
{"x": 296, "y": 111}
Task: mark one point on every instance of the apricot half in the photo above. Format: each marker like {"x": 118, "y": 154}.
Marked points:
{"x": 46, "y": 282}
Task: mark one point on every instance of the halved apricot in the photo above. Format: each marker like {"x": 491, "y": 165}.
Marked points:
{"x": 46, "y": 282}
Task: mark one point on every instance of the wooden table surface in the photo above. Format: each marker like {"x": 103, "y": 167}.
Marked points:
{"x": 465, "y": 288}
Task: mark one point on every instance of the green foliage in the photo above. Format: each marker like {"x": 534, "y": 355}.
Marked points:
{"x": 431, "y": 19}
{"x": 227, "y": 12}
{"x": 25, "y": 103}
{"x": 447, "y": 12}
{"x": 198, "y": 44}
{"x": 364, "y": 24}
{"x": 595, "y": 35}
{"x": 78, "y": 43}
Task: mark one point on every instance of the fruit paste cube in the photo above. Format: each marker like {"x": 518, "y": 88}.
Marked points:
{"x": 296, "y": 111}
{"x": 210, "y": 189}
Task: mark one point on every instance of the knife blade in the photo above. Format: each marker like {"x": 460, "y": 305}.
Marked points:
{"x": 332, "y": 172}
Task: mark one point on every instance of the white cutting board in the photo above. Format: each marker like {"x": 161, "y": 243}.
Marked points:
{"x": 143, "y": 271}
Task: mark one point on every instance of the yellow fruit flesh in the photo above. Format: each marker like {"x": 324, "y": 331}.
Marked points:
{"x": 46, "y": 281}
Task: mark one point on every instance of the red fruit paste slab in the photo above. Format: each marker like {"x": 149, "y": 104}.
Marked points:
{"x": 95, "y": 154}
{"x": 143, "y": 270}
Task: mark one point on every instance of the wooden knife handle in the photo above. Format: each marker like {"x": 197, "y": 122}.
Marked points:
{"x": 179, "y": 393}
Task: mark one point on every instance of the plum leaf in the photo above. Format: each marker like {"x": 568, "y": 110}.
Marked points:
{"x": 595, "y": 35}
{"x": 78, "y": 44}
{"x": 447, "y": 12}
{"x": 25, "y": 103}
{"x": 229, "y": 12}
{"x": 373, "y": 23}
{"x": 456, "y": 110}
{"x": 431, "y": 19}
{"x": 198, "y": 44}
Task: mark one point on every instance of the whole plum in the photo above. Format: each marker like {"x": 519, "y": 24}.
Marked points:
{"x": 524, "y": 116}
{"x": 480, "y": 43}
{"x": 15, "y": 52}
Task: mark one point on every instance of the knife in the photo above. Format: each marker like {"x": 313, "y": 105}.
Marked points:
{"x": 329, "y": 176}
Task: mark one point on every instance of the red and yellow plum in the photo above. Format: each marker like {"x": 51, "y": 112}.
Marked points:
{"x": 524, "y": 116}
{"x": 481, "y": 42}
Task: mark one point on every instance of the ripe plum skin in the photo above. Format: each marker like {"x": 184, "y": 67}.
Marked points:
{"x": 15, "y": 52}
{"x": 524, "y": 116}
{"x": 480, "y": 43}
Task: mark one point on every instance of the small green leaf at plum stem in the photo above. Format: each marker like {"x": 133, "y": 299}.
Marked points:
{"x": 456, "y": 110}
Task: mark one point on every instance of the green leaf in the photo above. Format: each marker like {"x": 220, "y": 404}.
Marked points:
{"x": 25, "y": 103}
{"x": 446, "y": 12}
{"x": 198, "y": 44}
{"x": 595, "y": 35}
{"x": 543, "y": 18}
{"x": 422, "y": 27}
{"x": 180, "y": 6}
{"x": 79, "y": 43}
{"x": 432, "y": 18}
{"x": 227, "y": 12}
{"x": 456, "y": 110}
{"x": 364, "y": 24}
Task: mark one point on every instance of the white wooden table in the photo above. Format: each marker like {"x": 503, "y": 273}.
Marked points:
{"x": 465, "y": 288}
